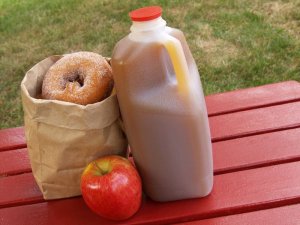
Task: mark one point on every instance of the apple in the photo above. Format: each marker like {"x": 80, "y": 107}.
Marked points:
{"x": 112, "y": 187}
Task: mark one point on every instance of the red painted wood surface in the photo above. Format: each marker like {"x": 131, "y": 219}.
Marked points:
{"x": 255, "y": 121}
{"x": 216, "y": 104}
{"x": 226, "y": 126}
{"x": 257, "y": 151}
{"x": 239, "y": 154}
{"x": 232, "y": 155}
{"x": 233, "y": 193}
{"x": 233, "y": 125}
{"x": 286, "y": 215}
{"x": 19, "y": 189}
{"x": 71, "y": 211}
{"x": 256, "y": 135}
{"x": 253, "y": 97}
{"x": 14, "y": 162}
{"x": 12, "y": 138}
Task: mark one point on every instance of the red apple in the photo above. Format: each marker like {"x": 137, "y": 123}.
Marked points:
{"x": 112, "y": 187}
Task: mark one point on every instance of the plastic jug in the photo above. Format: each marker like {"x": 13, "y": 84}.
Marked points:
{"x": 163, "y": 108}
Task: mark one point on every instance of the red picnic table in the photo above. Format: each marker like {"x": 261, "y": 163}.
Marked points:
{"x": 256, "y": 147}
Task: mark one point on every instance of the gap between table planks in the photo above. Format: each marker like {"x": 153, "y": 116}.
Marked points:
{"x": 269, "y": 99}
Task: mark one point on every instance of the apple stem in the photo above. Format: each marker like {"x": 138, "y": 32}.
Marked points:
{"x": 101, "y": 170}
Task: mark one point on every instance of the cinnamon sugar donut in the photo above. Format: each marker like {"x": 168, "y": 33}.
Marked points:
{"x": 81, "y": 77}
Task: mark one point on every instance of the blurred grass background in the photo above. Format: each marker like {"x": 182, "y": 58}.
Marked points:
{"x": 236, "y": 44}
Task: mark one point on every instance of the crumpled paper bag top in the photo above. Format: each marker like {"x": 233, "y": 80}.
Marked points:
{"x": 48, "y": 111}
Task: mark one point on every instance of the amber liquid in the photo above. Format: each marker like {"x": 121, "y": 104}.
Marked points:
{"x": 168, "y": 131}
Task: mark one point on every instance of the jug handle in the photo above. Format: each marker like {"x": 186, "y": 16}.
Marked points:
{"x": 175, "y": 51}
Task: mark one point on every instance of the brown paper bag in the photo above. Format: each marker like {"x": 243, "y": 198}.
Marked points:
{"x": 62, "y": 138}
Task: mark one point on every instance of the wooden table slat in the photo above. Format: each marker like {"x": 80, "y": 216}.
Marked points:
{"x": 19, "y": 189}
{"x": 12, "y": 138}
{"x": 257, "y": 151}
{"x": 14, "y": 162}
{"x": 254, "y": 97}
{"x": 233, "y": 193}
{"x": 71, "y": 211}
{"x": 286, "y": 215}
{"x": 256, "y": 121}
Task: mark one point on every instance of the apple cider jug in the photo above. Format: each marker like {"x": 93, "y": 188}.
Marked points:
{"x": 163, "y": 108}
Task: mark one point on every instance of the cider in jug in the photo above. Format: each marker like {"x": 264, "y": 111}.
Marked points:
{"x": 163, "y": 109}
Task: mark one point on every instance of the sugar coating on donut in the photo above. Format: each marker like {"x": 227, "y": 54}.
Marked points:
{"x": 81, "y": 77}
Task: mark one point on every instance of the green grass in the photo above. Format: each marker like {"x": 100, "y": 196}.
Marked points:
{"x": 236, "y": 44}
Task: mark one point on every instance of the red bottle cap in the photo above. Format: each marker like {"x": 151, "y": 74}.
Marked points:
{"x": 146, "y": 13}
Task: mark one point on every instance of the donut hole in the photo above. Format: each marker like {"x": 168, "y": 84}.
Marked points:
{"x": 76, "y": 78}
